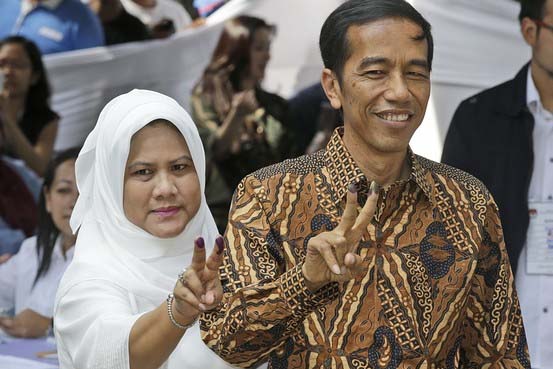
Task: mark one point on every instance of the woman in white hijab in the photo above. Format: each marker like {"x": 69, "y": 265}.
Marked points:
{"x": 141, "y": 208}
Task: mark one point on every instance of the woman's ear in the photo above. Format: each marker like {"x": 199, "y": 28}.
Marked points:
{"x": 331, "y": 86}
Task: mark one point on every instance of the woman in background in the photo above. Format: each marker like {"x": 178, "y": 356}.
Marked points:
{"x": 241, "y": 125}
{"x": 30, "y": 278}
{"x": 29, "y": 125}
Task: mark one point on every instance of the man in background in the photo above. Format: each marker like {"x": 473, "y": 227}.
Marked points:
{"x": 54, "y": 25}
{"x": 504, "y": 137}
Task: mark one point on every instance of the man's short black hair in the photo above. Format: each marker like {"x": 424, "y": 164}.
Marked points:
{"x": 334, "y": 43}
{"x": 533, "y": 9}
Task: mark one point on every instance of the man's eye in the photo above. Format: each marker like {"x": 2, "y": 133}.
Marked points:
{"x": 418, "y": 75}
{"x": 374, "y": 73}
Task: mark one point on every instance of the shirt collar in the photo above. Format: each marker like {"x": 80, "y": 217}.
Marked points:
{"x": 532, "y": 96}
{"x": 343, "y": 170}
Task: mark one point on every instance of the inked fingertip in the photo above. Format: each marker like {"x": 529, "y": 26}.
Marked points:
{"x": 200, "y": 242}
{"x": 220, "y": 242}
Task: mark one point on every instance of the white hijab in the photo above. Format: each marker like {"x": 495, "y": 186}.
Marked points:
{"x": 109, "y": 247}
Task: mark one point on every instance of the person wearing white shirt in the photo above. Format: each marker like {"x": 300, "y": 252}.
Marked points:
{"x": 158, "y": 15}
{"x": 30, "y": 278}
{"x": 504, "y": 136}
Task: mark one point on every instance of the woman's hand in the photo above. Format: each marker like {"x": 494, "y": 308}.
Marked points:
{"x": 199, "y": 288}
{"x": 26, "y": 324}
{"x": 245, "y": 102}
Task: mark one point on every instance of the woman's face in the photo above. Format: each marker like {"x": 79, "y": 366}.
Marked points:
{"x": 17, "y": 69}
{"x": 61, "y": 196}
{"x": 161, "y": 188}
{"x": 260, "y": 53}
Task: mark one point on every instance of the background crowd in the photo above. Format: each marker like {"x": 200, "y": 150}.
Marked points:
{"x": 503, "y": 136}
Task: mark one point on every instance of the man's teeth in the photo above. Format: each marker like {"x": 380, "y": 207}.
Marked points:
{"x": 394, "y": 117}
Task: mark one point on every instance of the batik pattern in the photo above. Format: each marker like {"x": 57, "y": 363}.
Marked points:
{"x": 438, "y": 290}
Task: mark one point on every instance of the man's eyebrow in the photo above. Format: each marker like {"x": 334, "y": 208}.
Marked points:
{"x": 370, "y": 60}
{"x": 419, "y": 63}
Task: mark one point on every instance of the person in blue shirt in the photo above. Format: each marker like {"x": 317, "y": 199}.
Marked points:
{"x": 54, "y": 25}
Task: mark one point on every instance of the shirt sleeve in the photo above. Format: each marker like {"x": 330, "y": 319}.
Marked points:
{"x": 92, "y": 324}
{"x": 8, "y": 281}
{"x": 43, "y": 294}
{"x": 493, "y": 331}
{"x": 10, "y": 239}
{"x": 265, "y": 298}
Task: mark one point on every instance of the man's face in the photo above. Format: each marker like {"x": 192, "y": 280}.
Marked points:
{"x": 385, "y": 85}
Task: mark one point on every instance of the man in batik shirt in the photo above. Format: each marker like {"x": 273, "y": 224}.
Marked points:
{"x": 365, "y": 255}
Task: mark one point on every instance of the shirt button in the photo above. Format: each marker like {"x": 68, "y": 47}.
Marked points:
{"x": 550, "y": 197}
{"x": 545, "y": 310}
{"x": 551, "y": 160}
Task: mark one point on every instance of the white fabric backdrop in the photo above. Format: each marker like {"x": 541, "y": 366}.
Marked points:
{"x": 477, "y": 44}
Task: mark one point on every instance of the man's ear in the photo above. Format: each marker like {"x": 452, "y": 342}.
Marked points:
{"x": 331, "y": 86}
{"x": 529, "y": 30}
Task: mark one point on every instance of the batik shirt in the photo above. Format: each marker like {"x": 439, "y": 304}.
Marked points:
{"x": 437, "y": 291}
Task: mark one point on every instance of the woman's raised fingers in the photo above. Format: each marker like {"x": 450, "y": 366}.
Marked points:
{"x": 215, "y": 259}
{"x": 198, "y": 257}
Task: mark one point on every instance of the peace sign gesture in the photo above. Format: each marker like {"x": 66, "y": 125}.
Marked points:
{"x": 331, "y": 255}
{"x": 198, "y": 287}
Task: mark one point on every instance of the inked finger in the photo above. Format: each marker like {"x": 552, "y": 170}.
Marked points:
{"x": 367, "y": 212}
{"x": 350, "y": 211}
{"x": 215, "y": 259}
{"x": 198, "y": 257}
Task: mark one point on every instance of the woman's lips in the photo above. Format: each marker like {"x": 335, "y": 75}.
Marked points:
{"x": 166, "y": 212}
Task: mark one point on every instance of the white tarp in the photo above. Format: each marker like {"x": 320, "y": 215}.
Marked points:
{"x": 477, "y": 44}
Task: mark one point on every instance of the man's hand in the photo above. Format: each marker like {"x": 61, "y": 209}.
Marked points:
{"x": 331, "y": 256}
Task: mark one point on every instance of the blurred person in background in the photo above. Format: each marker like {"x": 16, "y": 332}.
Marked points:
{"x": 29, "y": 125}
{"x": 162, "y": 17}
{"x": 19, "y": 189}
{"x": 312, "y": 118}
{"x": 30, "y": 278}
{"x": 242, "y": 126}
{"x": 504, "y": 137}
{"x": 119, "y": 26}
{"x": 54, "y": 25}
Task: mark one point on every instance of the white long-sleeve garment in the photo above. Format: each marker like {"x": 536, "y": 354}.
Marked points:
{"x": 17, "y": 276}
{"x": 96, "y": 319}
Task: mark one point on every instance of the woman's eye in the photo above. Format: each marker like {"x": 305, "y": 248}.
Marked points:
{"x": 63, "y": 190}
{"x": 179, "y": 167}
{"x": 142, "y": 172}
